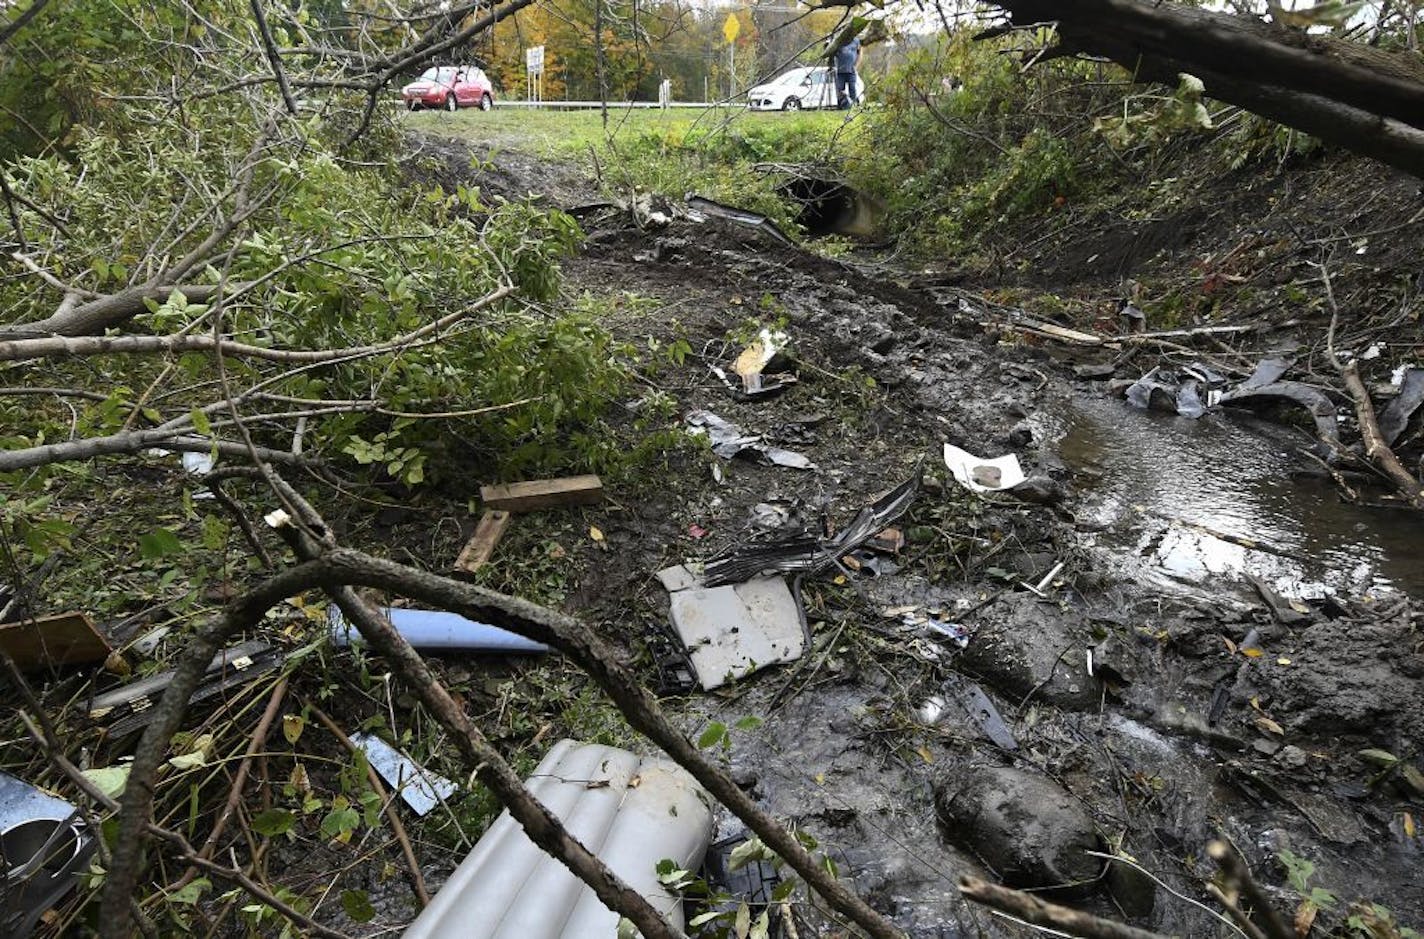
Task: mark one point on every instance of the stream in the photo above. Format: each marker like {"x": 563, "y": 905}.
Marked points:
{"x": 1216, "y": 498}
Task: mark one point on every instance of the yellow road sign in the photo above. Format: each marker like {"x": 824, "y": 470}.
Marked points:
{"x": 731, "y": 28}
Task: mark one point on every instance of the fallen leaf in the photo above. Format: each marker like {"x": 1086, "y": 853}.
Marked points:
{"x": 1252, "y": 653}
{"x": 595, "y": 533}
{"x": 1407, "y": 824}
{"x": 1230, "y": 646}
{"x": 1266, "y": 724}
{"x": 1283, "y": 661}
{"x": 924, "y": 753}
{"x": 110, "y": 779}
{"x": 292, "y": 727}
{"x": 1305, "y": 918}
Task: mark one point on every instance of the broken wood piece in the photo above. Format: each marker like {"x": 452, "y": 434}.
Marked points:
{"x": 63, "y": 639}
{"x": 543, "y": 493}
{"x": 1378, "y": 452}
{"x": 888, "y": 541}
{"x": 1031, "y": 909}
{"x": 480, "y": 547}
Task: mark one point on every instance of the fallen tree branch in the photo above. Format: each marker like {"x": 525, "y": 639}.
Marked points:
{"x": 345, "y": 566}
{"x": 1238, "y": 877}
{"x": 342, "y": 567}
{"x": 185, "y": 850}
{"x": 273, "y": 57}
{"x": 95, "y": 316}
{"x": 64, "y": 345}
{"x": 136, "y": 803}
{"x": 18, "y": 23}
{"x": 1379, "y": 452}
{"x": 133, "y": 442}
{"x": 239, "y": 781}
{"x": 388, "y": 805}
{"x": 1031, "y": 909}
{"x": 1361, "y": 98}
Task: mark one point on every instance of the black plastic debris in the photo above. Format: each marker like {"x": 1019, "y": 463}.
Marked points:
{"x": 980, "y": 709}
{"x": 129, "y": 708}
{"x": 806, "y": 553}
{"x": 1268, "y": 372}
{"x": 1193, "y": 390}
{"x": 1176, "y": 391}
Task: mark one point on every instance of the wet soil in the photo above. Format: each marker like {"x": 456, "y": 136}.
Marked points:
{"x": 1146, "y": 682}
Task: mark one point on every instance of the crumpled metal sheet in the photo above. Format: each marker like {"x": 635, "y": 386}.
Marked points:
{"x": 1397, "y": 414}
{"x": 1176, "y": 391}
{"x": 1321, "y": 408}
{"x": 807, "y": 554}
{"x": 728, "y": 441}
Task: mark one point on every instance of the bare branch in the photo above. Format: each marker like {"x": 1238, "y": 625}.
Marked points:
{"x": 18, "y": 23}
{"x": 1031, "y": 909}
{"x": 272, "y": 55}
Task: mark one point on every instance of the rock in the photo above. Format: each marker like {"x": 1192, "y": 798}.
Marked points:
{"x": 1021, "y": 646}
{"x": 1040, "y": 490}
{"x": 1094, "y": 371}
{"x": 1291, "y": 757}
{"x": 1019, "y": 436}
{"x": 1023, "y": 827}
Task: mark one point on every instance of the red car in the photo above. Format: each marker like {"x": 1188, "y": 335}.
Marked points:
{"x": 450, "y": 87}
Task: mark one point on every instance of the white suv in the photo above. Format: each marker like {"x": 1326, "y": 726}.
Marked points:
{"x": 813, "y": 87}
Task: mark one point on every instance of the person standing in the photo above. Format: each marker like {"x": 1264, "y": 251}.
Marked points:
{"x": 847, "y": 58}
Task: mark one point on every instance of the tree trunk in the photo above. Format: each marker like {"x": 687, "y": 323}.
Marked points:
{"x": 1358, "y": 97}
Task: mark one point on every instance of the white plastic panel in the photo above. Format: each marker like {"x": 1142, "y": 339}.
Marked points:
{"x": 630, "y": 811}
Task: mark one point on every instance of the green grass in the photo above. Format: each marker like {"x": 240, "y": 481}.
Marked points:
{"x": 568, "y": 133}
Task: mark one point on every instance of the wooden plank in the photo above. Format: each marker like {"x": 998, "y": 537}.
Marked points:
{"x": 480, "y": 547}
{"x": 543, "y": 493}
{"x": 65, "y": 639}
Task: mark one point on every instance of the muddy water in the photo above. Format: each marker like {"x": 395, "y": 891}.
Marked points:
{"x": 1219, "y": 497}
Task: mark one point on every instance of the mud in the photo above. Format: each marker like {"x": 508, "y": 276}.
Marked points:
{"x": 1174, "y": 737}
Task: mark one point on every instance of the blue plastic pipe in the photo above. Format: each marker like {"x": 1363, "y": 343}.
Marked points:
{"x": 437, "y": 631}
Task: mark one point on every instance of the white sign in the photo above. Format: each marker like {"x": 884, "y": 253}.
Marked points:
{"x": 534, "y": 60}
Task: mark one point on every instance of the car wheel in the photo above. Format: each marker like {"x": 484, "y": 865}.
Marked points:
{"x": 486, "y": 102}
{"x": 791, "y": 104}
{"x": 451, "y": 104}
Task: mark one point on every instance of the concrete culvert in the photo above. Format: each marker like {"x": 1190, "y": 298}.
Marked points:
{"x": 830, "y": 207}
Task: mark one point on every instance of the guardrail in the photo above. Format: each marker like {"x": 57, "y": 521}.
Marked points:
{"x": 634, "y": 105}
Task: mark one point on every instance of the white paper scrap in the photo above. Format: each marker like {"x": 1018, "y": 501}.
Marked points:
{"x": 980, "y": 475}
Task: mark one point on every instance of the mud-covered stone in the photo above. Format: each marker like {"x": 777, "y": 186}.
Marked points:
{"x": 1025, "y": 828}
{"x": 1024, "y": 646}
{"x": 1343, "y": 676}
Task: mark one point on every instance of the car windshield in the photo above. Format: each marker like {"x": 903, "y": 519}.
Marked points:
{"x": 443, "y": 74}
{"x": 795, "y": 76}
